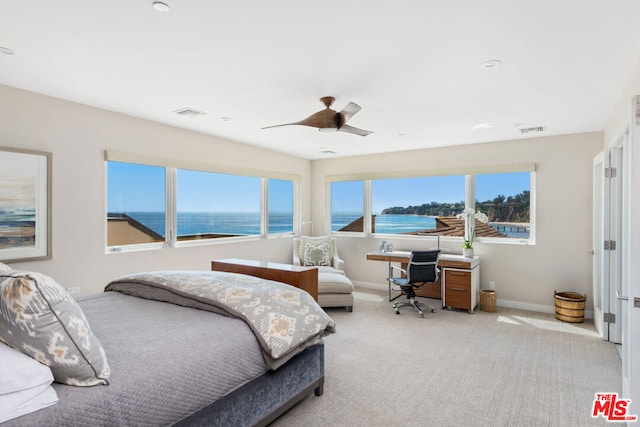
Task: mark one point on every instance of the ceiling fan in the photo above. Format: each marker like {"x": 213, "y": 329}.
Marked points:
{"x": 328, "y": 120}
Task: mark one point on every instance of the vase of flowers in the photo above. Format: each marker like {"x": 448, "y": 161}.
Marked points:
{"x": 470, "y": 216}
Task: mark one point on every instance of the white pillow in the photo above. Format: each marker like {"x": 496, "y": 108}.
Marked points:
{"x": 25, "y": 384}
{"x": 5, "y": 267}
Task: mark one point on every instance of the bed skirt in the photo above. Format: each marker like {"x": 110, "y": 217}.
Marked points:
{"x": 264, "y": 399}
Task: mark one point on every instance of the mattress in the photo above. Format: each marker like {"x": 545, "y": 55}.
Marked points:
{"x": 167, "y": 362}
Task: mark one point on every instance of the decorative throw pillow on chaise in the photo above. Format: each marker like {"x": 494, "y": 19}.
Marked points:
{"x": 315, "y": 251}
{"x": 39, "y": 318}
{"x": 317, "y": 255}
{"x": 5, "y": 267}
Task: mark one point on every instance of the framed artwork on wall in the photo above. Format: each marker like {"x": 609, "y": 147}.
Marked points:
{"x": 25, "y": 205}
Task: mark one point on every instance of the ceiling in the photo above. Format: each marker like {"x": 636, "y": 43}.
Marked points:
{"x": 414, "y": 66}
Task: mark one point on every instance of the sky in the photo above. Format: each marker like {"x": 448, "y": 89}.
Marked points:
{"x": 141, "y": 188}
{"x": 403, "y": 192}
{"x": 134, "y": 188}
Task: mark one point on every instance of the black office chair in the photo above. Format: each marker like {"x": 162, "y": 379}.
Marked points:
{"x": 422, "y": 269}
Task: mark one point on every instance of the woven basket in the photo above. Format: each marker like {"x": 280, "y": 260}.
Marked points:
{"x": 487, "y": 300}
{"x": 570, "y": 306}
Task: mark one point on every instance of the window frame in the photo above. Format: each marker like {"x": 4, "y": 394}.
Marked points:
{"x": 171, "y": 170}
{"x": 469, "y": 200}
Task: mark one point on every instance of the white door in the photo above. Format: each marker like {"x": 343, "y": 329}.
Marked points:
{"x": 600, "y": 268}
{"x": 618, "y": 231}
{"x": 609, "y": 238}
{"x": 631, "y": 314}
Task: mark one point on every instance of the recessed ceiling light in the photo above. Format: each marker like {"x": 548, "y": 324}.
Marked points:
{"x": 161, "y": 7}
{"x": 6, "y": 50}
{"x": 225, "y": 119}
{"x": 492, "y": 63}
{"x": 327, "y": 152}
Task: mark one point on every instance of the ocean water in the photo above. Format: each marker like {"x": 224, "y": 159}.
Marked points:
{"x": 388, "y": 224}
{"x": 248, "y": 223}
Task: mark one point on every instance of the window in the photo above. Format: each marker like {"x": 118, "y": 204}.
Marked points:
{"x": 505, "y": 199}
{"x": 135, "y": 204}
{"x": 164, "y": 204}
{"x": 280, "y": 206}
{"x": 212, "y": 205}
{"x": 431, "y": 205}
{"x": 417, "y": 206}
{"x": 347, "y": 206}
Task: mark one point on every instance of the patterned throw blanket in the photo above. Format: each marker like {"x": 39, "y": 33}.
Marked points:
{"x": 284, "y": 319}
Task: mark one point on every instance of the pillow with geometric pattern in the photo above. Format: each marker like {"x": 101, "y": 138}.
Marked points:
{"x": 315, "y": 241}
{"x": 317, "y": 255}
{"x": 39, "y": 318}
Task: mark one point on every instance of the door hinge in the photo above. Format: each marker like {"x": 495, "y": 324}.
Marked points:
{"x": 609, "y": 317}
{"x": 609, "y": 245}
{"x": 610, "y": 172}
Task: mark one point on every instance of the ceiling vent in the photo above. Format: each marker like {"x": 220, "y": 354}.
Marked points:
{"x": 189, "y": 112}
{"x": 532, "y": 129}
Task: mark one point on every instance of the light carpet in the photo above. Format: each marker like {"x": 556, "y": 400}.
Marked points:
{"x": 453, "y": 368}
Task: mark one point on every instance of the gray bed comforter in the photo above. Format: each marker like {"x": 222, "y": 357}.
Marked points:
{"x": 167, "y": 362}
{"x": 284, "y": 319}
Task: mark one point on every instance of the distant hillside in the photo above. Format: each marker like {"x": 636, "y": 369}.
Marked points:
{"x": 501, "y": 209}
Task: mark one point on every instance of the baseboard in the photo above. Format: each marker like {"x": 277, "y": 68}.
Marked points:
{"x": 540, "y": 308}
{"x": 519, "y": 305}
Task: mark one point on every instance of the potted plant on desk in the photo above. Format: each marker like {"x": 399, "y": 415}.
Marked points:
{"x": 470, "y": 216}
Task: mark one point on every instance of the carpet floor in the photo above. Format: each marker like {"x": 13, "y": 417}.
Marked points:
{"x": 453, "y": 368}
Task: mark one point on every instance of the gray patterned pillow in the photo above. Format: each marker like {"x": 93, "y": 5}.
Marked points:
{"x": 315, "y": 241}
{"x": 316, "y": 255}
{"x": 39, "y": 318}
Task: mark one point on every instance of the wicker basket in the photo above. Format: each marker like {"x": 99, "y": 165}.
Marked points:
{"x": 487, "y": 300}
{"x": 570, "y": 306}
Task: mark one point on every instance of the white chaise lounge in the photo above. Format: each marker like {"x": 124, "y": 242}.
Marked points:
{"x": 334, "y": 287}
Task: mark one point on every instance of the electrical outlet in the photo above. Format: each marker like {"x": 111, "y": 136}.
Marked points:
{"x": 74, "y": 290}
{"x": 492, "y": 285}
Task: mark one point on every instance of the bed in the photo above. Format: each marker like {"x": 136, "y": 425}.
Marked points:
{"x": 183, "y": 363}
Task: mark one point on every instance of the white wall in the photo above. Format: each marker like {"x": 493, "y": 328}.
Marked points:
{"x": 525, "y": 276}
{"x": 77, "y": 136}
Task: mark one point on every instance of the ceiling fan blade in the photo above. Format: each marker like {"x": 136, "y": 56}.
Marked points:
{"x": 277, "y": 126}
{"x": 356, "y": 131}
{"x": 348, "y": 111}
{"x": 330, "y": 120}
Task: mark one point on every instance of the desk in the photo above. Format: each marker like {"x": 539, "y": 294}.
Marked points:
{"x": 305, "y": 278}
{"x": 458, "y": 285}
